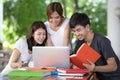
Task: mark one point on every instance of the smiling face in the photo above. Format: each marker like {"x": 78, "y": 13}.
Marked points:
{"x": 80, "y": 31}
{"x": 39, "y": 35}
{"x": 55, "y": 19}
{"x": 54, "y": 14}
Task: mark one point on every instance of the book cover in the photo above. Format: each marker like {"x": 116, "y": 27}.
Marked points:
{"x": 26, "y": 74}
{"x": 80, "y": 71}
{"x": 84, "y": 53}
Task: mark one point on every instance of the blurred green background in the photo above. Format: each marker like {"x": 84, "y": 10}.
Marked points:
{"x": 19, "y": 15}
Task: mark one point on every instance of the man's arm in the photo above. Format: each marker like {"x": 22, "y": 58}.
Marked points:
{"x": 111, "y": 66}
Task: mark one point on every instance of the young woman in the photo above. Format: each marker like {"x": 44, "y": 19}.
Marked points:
{"x": 22, "y": 53}
{"x": 57, "y": 26}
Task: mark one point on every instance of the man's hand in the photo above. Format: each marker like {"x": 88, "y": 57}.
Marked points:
{"x": 90, "y": 66}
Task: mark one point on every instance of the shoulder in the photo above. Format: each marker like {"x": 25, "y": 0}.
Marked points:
{"x": 66, "y": 20}
{"x": 101, "y": 39}
{"x": 21, "y": 43}
{"x": 65, "y": 23}
{"x": 46, "y": 23}
{"x": 21, "y": 40}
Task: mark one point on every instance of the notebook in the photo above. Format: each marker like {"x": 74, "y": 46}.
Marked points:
{"x": 51, "y": 57}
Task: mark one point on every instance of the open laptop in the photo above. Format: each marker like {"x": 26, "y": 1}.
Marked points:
{"x": 51, "y": 57}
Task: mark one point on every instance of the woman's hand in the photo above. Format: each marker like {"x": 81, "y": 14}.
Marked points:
{"x": 20, "y": 64}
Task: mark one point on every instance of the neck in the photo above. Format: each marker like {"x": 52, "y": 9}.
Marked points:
{"x": 55, "y": 28}
{"x": 89, "y": 37}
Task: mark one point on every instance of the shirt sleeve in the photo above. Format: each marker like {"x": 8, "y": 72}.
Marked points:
{"x": 107, "y": 50}
{"x": 18, "y": 45}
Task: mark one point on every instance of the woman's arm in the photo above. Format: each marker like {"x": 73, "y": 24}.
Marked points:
{"x": 14, "y": 63}
{"x": 67, "y": 36}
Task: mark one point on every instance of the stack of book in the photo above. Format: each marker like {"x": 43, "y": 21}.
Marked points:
{"x": 72, "y": 72}
{"x": 30, "y": 73}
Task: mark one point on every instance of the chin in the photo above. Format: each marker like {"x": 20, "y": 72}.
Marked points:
{"x": 80, "y": 39}
{"x": 40, "y": 42}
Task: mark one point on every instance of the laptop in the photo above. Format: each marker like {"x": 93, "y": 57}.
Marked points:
{"x": 51, "y": 57}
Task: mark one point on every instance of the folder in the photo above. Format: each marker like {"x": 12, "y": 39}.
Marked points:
{"x": 27, "y": 75}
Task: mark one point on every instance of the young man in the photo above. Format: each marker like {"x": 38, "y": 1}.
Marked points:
{"x": 108, "y": 66}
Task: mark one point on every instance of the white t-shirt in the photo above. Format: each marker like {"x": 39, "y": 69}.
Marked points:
{"x": 22, "y": 46}
{"x": 57, "y": 37}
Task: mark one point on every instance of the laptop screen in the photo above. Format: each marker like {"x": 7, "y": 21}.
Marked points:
{"x": 51, "y": 57}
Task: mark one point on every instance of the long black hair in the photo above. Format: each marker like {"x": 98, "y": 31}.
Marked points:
{"x": 30, "y": 40}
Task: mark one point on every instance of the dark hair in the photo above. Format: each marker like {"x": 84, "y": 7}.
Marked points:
{"x": 54, "y": 6}
{"x": 30, "y": 40}
{"x": 79, "y": 19}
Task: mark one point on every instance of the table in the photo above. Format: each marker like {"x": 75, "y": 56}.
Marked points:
{"x": 56, "y": 77}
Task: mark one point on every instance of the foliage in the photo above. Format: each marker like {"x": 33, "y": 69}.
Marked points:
{"x": 95, "y": 9}
{"x": 19, "y": 15}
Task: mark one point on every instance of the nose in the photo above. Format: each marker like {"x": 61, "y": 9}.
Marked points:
{"x": 53, "y": 20}
{"x": 42, "y": 36}
{"x": 76, "y": 33}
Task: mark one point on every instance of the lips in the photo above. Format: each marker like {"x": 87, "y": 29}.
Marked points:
{"x": 79, "y": 37}
{"x": 40, "y": 41}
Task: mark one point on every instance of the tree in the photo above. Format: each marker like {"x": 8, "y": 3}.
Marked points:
{"x": 95, "y": 9}
{"x": 19, "y": 15}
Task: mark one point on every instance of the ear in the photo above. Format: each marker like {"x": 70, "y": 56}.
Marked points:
{"x": 88, "y": 27}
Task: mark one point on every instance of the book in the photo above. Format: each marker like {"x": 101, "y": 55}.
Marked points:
{"x": 26, "y": 74}
{"x": 71, "y": 74}
{"x": 41, "y": 69}
{"x": 79, "y": 71}
{"x": 71, "y": 78}
{"x": 74, "y": 77}
{"x": 84, "y": 53}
